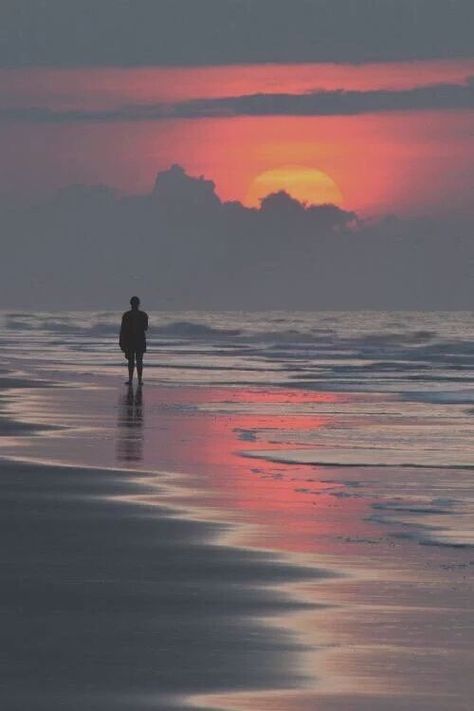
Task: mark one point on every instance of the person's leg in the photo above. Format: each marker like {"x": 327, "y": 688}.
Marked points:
{"x": 140, "y": 367}
{"x": 131, "y": 366}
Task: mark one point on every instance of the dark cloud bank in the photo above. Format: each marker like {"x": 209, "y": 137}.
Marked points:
{"x": 318, "y": 103}
{"x": 181, "y": 247}
{"x": 200, "y": 32}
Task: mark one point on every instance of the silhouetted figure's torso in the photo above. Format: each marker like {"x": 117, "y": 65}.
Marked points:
{"x": 132, "y": 331}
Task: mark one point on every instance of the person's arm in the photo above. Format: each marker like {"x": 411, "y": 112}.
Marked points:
{"x": 145, "y": 322}
{"x": 122, "y": 334}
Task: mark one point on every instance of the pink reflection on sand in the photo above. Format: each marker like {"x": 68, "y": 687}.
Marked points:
{"x": 295, "y": 508}
{"x": 202, "y": 433}
{"x": 397, "y": 604}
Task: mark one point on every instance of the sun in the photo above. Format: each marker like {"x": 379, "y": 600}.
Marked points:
{"x": 308, "y": 185}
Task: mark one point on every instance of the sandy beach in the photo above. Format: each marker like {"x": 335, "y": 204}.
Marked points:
{"x": 181, "y": 546}
{"x": 109, "y": 605}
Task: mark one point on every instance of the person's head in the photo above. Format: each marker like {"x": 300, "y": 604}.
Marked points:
{"x": 134, "y": 302}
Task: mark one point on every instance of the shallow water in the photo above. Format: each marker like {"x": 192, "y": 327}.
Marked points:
{"x": 401, "y": 385}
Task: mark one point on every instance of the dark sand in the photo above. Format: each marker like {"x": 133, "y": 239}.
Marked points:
{"x": 112, "y": 600}
{"x": 108, "y": 605}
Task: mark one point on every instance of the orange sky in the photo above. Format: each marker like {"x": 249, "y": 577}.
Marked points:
{"x": 105, "y": 87}
{"x": 407, "y": 162}
{"x": 381, "y": 163}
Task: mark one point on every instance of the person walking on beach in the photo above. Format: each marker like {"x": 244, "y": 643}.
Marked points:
{"x": 132, "y": 338}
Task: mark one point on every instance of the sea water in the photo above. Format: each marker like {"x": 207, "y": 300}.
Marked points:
{"x": 402, "y": 386}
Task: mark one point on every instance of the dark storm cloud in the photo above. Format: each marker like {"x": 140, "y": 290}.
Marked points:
{"x": 181, "y": 247}
{"x": 200, "y": 32}
{"x": 319, "y": 103}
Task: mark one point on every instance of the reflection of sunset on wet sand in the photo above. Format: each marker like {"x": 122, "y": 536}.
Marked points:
{"x": 314, "y": 516}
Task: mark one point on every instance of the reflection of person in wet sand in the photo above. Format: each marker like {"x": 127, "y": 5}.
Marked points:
{"x": 132, "y": 338}
{"x": 130, "y": 426}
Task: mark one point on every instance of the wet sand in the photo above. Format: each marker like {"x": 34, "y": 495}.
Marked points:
{"x": 106, "y": 604}
{"x": 195, "y": 576}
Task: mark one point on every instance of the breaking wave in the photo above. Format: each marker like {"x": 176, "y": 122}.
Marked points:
{"x": 422, "y": 357}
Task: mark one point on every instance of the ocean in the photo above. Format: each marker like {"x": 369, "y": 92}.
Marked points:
{"x": 404, "y": 383}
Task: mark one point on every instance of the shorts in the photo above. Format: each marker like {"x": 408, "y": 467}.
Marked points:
{"x": 134, "y": 355}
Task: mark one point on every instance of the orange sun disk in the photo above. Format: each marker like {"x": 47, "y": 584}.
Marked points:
{"x": 308, "y": 185}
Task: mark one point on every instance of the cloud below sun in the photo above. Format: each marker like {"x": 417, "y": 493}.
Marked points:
{"x": 307, "y": 185}
{"x": 196, "y": 251}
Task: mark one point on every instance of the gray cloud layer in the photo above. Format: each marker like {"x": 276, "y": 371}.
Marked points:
{"x": 181, "y": 247}
{"x": 200, "y": 32}
{"x": 318, "y": 103}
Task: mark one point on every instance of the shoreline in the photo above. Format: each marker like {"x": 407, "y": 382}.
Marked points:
{"x": 158, "y": 597}
{"x": 340, "y": 629}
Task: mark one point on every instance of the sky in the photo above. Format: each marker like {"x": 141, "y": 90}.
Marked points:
{"x": 365, "y": 104}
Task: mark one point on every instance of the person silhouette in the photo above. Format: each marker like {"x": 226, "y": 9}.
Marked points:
{"x": 132, "y": 338}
